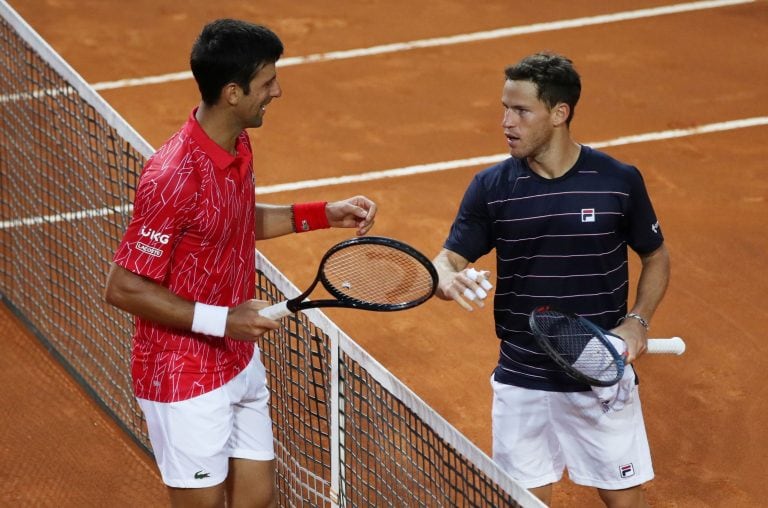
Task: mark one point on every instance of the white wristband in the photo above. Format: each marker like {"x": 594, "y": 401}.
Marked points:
{"x": 210, "y": 319}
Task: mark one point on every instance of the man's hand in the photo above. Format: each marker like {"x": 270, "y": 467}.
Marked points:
{"x": 357, "y": 212}
{"x": 459, "y": 283}
{"x": 245, "y": 323}
{"x": 636, "y": 337}
{"x": 466, "y": 286}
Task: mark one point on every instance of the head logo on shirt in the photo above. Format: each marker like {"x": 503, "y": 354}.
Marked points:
{"x": 154, "y": 236}
{"x": 655, "y": 227}
{"x": 587, "y": 215}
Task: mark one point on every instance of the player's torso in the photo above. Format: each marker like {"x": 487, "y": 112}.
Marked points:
{"x": 213, "y": 257}
{"x": 212, "y": 260}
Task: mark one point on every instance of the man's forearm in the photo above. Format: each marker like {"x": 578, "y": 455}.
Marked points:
{"x": 273, "y": 221}
{"x": 653, "y": 282}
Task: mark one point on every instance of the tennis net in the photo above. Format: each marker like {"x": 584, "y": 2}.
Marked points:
{"x": 347, "y": 432}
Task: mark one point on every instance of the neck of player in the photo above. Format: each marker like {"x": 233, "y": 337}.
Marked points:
{"x": 219, "y": 126}
{"x": 556, "y": 157}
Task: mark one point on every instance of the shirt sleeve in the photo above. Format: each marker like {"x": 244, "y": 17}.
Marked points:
{"x": 162, "y": 206}
{"x": 471, "y": 234}
{"x": 644, "y": 231}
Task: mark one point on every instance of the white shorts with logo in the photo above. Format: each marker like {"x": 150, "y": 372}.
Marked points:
{"x": 538, "y": 434}
{"x": 194, "y": 439}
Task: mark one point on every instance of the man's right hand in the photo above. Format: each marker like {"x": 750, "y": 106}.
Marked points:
{"x": 245, "y": 323}
{"x": 459, "y": 283}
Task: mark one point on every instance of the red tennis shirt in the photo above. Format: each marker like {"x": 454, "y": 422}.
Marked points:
{"x": 193, "y": 232}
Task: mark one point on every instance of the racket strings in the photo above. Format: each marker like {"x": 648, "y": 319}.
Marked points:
{"x": 578, "y": 346}
{"x": 377, "y": 274}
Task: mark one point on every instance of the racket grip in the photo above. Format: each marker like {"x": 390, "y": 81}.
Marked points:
{"x": 673, "y": 346}
{"x": 276, "y": 311}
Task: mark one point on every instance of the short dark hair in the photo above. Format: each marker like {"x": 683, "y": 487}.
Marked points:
{"x": 231, "y": 51}
{"x": 554, "y": 76}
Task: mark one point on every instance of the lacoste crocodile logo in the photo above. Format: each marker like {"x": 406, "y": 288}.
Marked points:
{"x": 201, "y": 474}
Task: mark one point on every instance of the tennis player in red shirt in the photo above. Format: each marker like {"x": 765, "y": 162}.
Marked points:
{"x": 186, "y": 270}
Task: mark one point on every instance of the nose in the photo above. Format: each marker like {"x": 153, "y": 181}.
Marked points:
{"x": 276, "y": 90}
{"x": 508, "y": 120}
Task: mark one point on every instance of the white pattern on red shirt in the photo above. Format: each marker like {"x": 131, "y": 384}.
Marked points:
{"x": 193, "y": 232}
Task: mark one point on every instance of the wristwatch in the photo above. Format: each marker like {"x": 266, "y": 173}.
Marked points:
{"x": 640, "y": 318}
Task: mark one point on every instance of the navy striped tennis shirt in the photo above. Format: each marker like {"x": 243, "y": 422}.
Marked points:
{"x": 559, "y": 242}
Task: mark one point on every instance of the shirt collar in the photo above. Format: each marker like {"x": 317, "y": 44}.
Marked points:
{"x": 221, "y": 158}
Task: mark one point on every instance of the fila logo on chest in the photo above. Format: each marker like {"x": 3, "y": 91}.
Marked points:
{"x": 587, "y": 215}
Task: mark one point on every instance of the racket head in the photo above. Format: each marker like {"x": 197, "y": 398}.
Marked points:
{"x": 577, "y": 345}
{"x": 376, "y": 273}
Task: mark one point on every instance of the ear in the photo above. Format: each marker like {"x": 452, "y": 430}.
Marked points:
{"x": 231, "y": 93}
{"x": 560, "y": 114}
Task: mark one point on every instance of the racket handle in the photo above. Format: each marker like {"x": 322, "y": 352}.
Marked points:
{"x": 673, "y": 346}
{"x": 276, "y": 311}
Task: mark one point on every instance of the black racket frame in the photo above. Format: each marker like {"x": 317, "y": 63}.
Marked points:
{"x": 342, "y": 300}
{"x": 544, "y": 343}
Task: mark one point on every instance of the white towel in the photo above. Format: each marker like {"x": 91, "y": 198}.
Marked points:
{"x": 615, "y": 397}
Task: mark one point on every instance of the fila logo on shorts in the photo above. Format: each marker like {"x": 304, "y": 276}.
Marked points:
{"x": 626, "y": 470}
{"x": 587, "y": 215}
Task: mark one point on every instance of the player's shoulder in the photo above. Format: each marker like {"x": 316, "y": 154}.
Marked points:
{"x": 601, "y": 161}
{"x": 173, "y": 170}
{"x": 507, "y": 170}
{"x": 613, "y": 173}
{"x": 176, "y": 154}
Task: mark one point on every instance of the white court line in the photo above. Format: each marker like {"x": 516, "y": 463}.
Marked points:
{"x": 493, "y": 159}
{"x": 62, "y": 217}
{"x": 411, "y": 170}
{"x": 454, "y": 39}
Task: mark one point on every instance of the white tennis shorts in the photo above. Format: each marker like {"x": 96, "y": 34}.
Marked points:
{"x": 194, "y": 439}
{"x": 538, "y": 434}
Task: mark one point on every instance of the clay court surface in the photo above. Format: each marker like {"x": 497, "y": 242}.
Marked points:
{"x": 705, "y": 411}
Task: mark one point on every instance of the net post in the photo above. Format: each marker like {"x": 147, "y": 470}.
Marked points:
{"x": 336, "y": 425}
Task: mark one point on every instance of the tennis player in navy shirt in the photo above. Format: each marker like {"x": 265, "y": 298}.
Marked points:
{"x": 561, "y": 217}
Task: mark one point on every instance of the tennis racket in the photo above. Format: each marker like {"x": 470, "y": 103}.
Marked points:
{"x": 369, "y": 273}
{"x": 585, "y": 351}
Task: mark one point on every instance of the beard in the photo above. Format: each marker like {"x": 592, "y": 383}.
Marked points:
{"x": 531, "y": 144}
